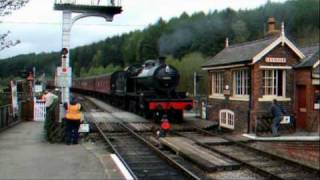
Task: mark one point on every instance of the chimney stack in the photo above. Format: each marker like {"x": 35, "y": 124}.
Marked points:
{"x": 271, "y": 28}
{"x": 271, "y": 25}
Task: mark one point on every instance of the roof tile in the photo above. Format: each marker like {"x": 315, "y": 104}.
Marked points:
{"x": 240, "y": 53}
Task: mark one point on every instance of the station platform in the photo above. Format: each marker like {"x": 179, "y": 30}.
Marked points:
{"x": 303, "y": 148}
{"x": 24, "y": 154}
{"x": 289, "y": 137}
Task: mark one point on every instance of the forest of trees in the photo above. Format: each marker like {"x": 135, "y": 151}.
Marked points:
{"x": 187, "y": 40}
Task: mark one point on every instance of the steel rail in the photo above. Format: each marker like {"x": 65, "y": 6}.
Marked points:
{"x": 115, "y": 151}
{"x": 112, "y": 147}
{"x": 243, "y": 145}
{"x": 172, "y": 162}
{"x": 160, "y": 154}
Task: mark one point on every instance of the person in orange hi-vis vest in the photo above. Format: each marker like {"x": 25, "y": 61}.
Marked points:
{"x": 165, "y": 126}
{"x": 72, "y": 118}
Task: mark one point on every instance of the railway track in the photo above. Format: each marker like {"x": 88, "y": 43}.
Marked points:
{"x": 268, "y": 165}
{"x": 265, "y": 164}
{"x": 142, "y": 159}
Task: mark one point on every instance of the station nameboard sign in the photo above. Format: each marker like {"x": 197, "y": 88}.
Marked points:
{"x": 276, "y": 60}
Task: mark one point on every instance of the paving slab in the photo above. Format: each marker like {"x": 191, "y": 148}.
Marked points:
{"x": 24, "y": 154}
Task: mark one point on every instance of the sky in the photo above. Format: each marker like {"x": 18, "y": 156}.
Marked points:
{"x": 39, "y": 27}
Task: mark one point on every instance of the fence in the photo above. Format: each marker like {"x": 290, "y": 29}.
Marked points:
{"x": 265, "y": 119}
{"x": 39, "y": 110}
{"x": 6, "y": 117}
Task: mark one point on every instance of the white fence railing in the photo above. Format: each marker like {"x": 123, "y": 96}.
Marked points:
{"x": 39, "y": 110}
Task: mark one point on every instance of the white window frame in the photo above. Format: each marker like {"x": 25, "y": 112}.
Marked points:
{"x": 274, "y": 85}
{"x": 226, "y": 119}
{"x": 217, "y": 79}
{"x": 244, "y": 85}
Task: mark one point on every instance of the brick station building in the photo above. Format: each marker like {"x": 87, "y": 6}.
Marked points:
{"x": 307, "y": 89}
{"x": 245, "y": 78}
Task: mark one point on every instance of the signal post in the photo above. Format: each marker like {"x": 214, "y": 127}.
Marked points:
{"x": 83, "y": 8}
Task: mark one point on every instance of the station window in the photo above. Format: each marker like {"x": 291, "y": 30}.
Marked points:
{"x": 240, "y": 82}
{"x": 217, "y": 83}
{"x": 226, "y": 119}
{"x": 274, "y": 82}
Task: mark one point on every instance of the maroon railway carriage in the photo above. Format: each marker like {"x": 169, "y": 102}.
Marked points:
{"x": 144, "y": 89}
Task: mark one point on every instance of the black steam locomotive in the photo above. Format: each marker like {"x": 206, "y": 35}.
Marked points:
{"x": 146, "y": 89}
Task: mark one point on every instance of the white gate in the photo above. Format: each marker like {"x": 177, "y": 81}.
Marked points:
{"x": 226, "y": 119}
{"x": 39, "y": 110}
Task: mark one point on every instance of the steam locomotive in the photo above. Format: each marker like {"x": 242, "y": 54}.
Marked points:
{"x": 148, "y": 89}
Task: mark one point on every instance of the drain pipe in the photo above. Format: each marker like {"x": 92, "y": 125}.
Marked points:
{"x": 250, "y": 78}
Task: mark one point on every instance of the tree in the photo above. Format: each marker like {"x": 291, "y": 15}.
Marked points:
{"x": 97, "y": 59}
{"x": 240, "y": 31}
{"x": 6, "y": 8}
{"x": 179, "y": 38}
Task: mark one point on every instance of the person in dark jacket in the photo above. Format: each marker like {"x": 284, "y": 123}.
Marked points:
{"x": 277, "y": 114}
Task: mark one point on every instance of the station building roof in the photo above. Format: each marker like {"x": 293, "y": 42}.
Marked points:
{"x": 250, "y": 52}
{"x": 240, "y": 53}
{"x": 311, "y": 57}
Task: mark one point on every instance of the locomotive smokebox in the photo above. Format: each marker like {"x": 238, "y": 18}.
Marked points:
{"x": 158, "y": 76}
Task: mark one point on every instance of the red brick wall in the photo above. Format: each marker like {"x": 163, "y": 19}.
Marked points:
{"x": 306, "y": 153}
{"x": 260, "y": 108}
{"x": 240, "y": 108}
{"x": 304, "y": 77}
